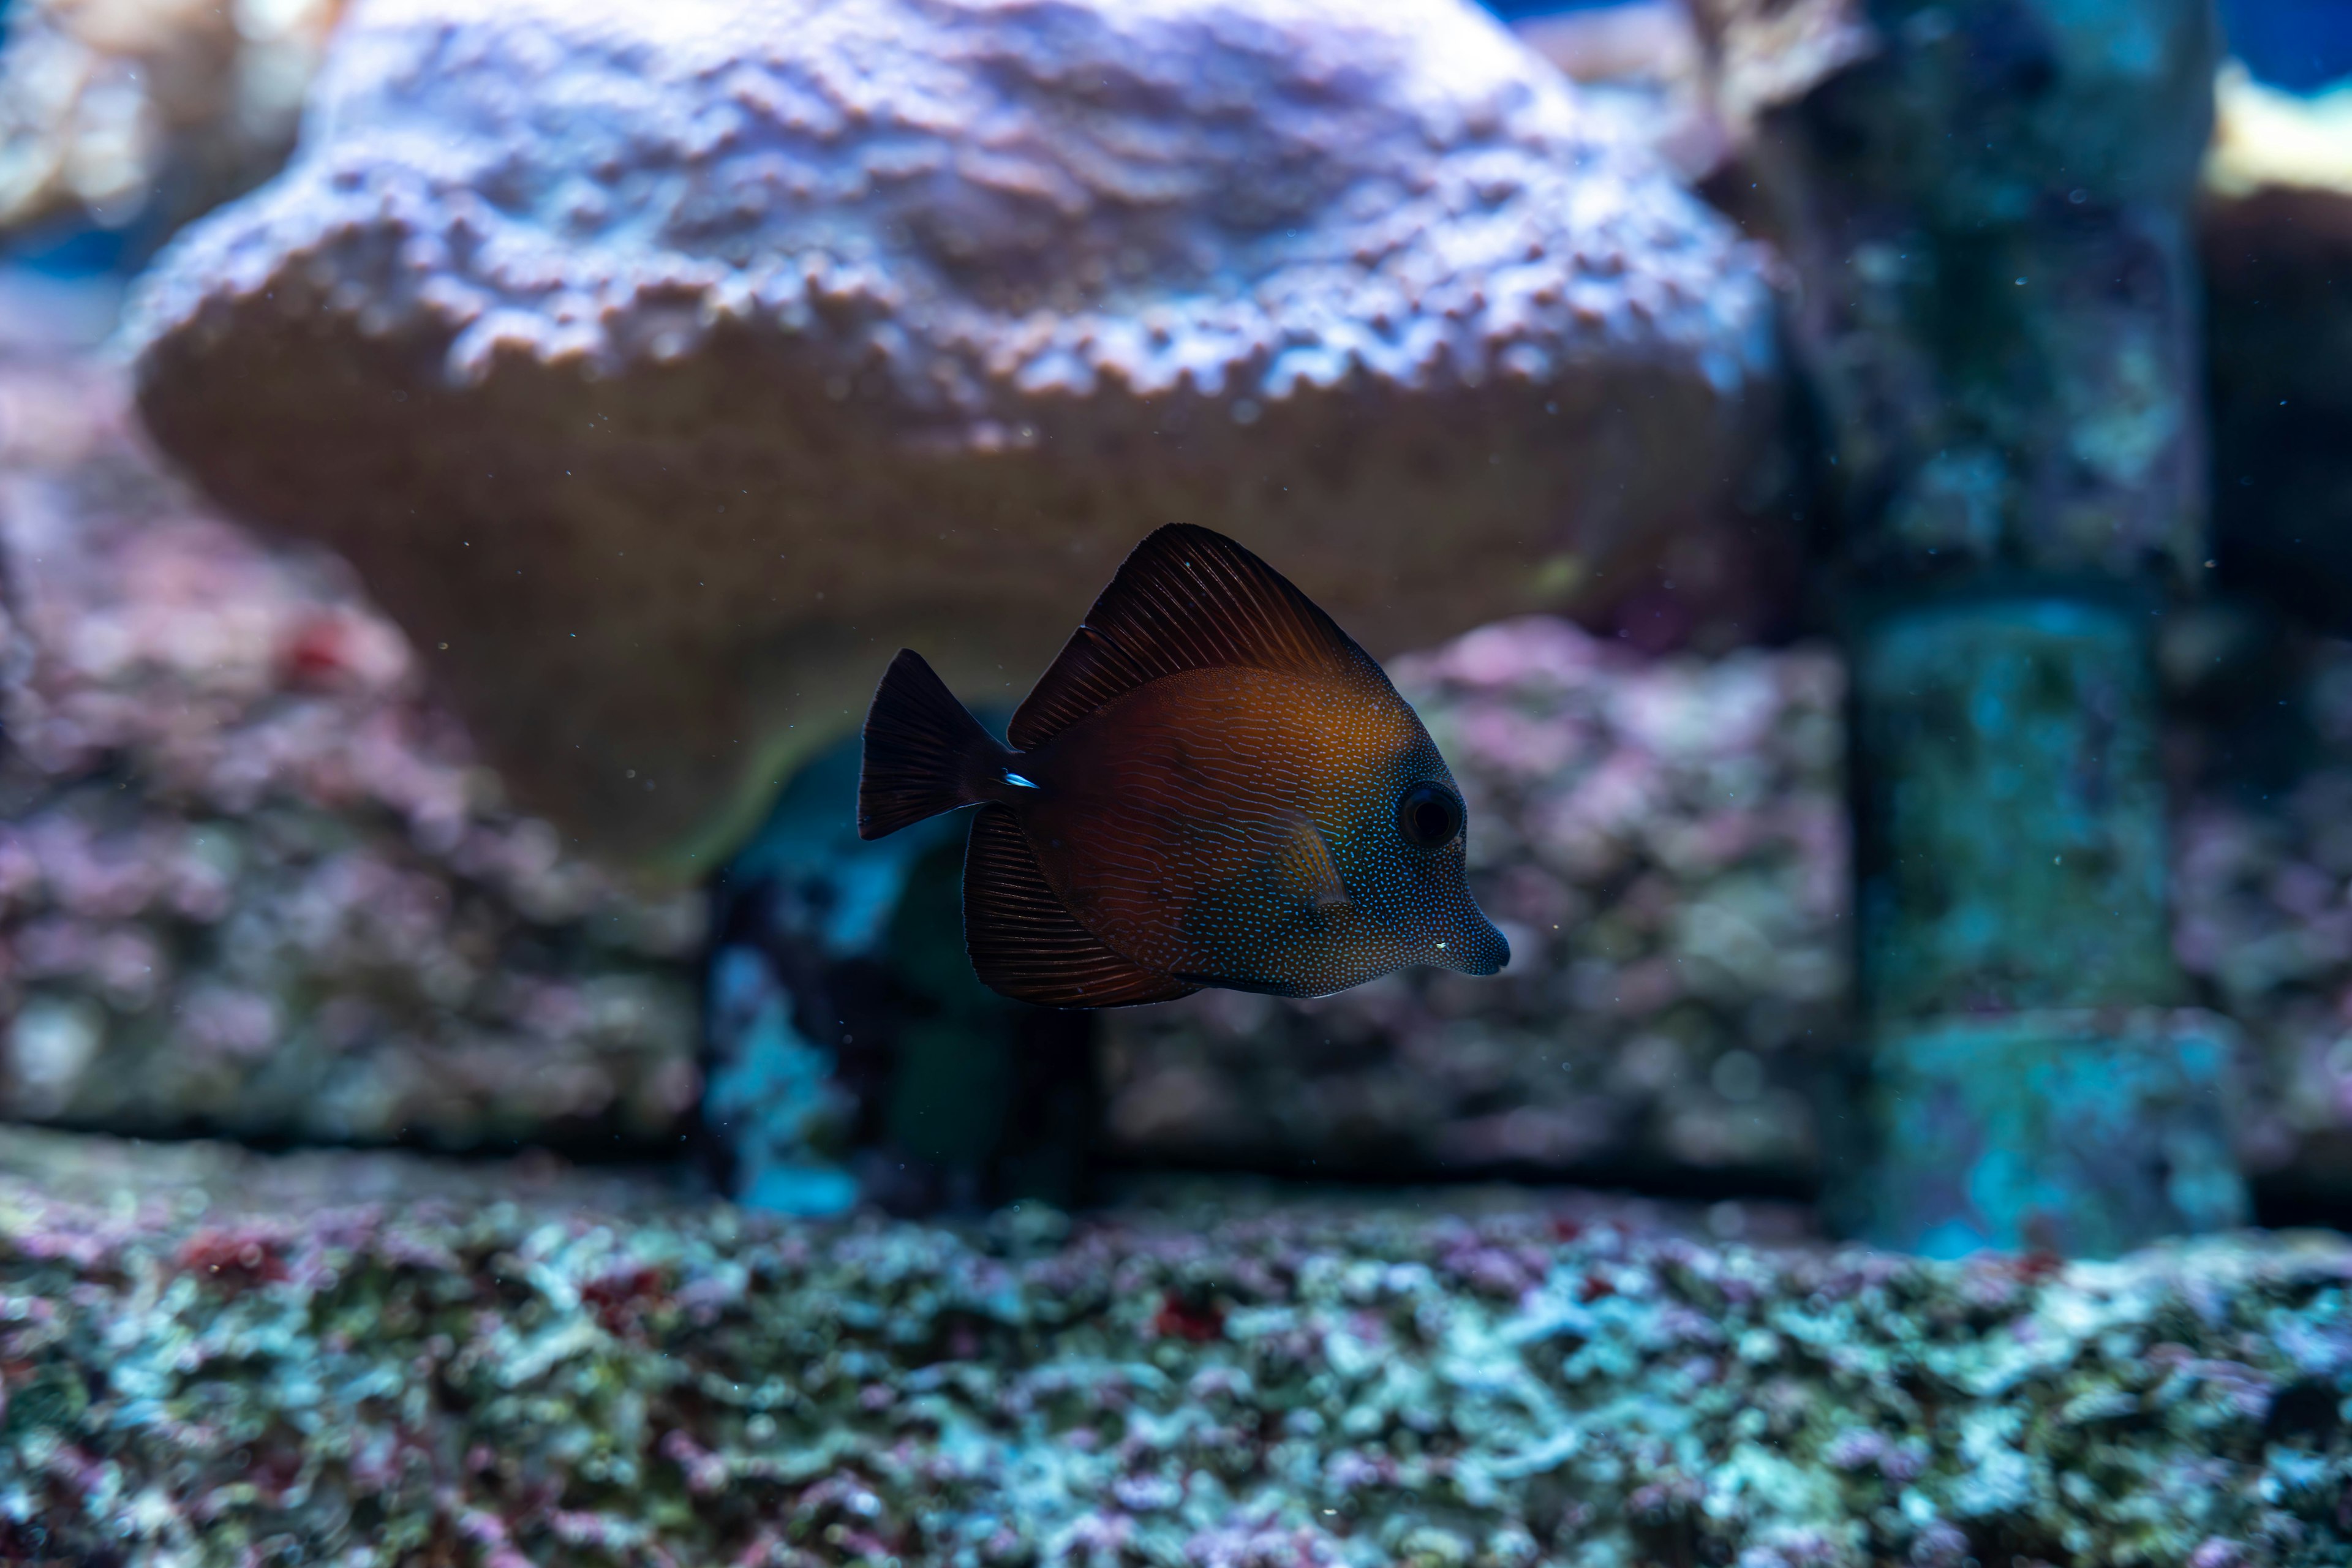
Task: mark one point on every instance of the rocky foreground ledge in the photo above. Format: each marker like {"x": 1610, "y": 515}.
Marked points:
{"x": 217, "y": 1358}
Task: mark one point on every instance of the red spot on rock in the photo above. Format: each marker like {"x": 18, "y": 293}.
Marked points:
{"x": 238, "y": 1260}
{"x": 1198, "y": 1322}
{"x": 318, "y": 652}
{"x": 2039, "y": 1264}
{"x": 622, "y": 1297}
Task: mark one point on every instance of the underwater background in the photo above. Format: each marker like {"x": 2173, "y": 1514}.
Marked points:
{"x": 1857, "y": 490}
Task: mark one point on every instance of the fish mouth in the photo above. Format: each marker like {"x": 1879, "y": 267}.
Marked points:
{"x": 1477, "y": 949}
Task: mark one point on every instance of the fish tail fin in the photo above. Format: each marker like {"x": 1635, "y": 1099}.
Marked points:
{"x": 923, "y": 751}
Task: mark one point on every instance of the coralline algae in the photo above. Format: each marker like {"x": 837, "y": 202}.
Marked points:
{"x": 561, "y": 1378}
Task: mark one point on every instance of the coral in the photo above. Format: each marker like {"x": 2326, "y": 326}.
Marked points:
{"x": 1664, "y": 844}
{"x": 2264, "y": 139}
{"x": 1643, "y": 58}
{"x": 146, "y": 113}
{"x": 684, "y": 361}
{"x": 231, "y": 1363}
{"x": 251, "y": 880}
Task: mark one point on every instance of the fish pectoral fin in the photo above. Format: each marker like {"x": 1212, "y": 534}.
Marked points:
{"x": 1023, "y": 940}
{"x": 1306, "y": 867}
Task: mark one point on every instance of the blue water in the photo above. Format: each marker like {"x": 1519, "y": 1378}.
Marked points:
{"x": 2302, "y": 44}
{"x": 2297, "y": 43}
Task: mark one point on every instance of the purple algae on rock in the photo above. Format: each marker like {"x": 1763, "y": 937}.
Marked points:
{"x": 212, "y": 1359}
{"x": 251, "y": 880}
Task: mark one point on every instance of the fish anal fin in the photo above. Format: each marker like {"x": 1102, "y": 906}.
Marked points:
{"x": 1025, "y": 944}
{"x": 1185, "y": 598}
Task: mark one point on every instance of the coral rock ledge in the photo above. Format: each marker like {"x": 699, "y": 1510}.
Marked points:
{"x": 206, "y": 1363}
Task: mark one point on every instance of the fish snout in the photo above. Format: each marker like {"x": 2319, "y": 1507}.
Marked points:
{"x": 1475, "y": 947}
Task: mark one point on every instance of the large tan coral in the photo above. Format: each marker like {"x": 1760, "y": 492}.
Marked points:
{"x": 665, "y": 369}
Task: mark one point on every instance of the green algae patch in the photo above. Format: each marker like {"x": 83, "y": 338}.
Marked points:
{"x": 211, "y": 1358}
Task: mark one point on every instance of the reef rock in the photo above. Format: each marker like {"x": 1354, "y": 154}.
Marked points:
{"x": 1664, "y": 843}
{"x": 250, "y": 880}
{"x": 211, "y": 1361}
{"x": 662, "y": 369}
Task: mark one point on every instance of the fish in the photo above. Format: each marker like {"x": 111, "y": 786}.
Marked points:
{"x": 1211, "y": 785}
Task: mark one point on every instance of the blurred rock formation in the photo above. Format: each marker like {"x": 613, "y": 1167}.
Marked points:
{"x": 1683, "y": 822}
{"x": 140, "y": 115}
{"x": 686, "y": 362}
{"x": 2262, "y": 890}
{"x": 1664, "y": 844}
{"x": 254, "y": 881}
{"x": 1642, "y": 59}
{"x": 251, "y": 881}
{"x": 1987, "y": 209}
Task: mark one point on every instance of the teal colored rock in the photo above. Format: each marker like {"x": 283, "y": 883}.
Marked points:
{"x": 1987, "y": 206}
{"x": 852, "y": 1054}
{"x": 2012, "y": 853}
{"x": 2082, "y": 1133}
{"x": 2011, "y": 838}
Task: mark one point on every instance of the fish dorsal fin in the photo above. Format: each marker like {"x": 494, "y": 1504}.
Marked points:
{"x": 1186, "y": 598}
{"x": 1025, "y": 943}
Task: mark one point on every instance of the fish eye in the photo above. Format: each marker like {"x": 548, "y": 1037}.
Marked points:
{"x": 1429, "y": 814}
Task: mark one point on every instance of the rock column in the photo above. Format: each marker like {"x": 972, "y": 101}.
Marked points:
{"x": 1986, "y": 209}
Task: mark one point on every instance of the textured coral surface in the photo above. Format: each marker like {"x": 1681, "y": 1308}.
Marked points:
{"x": 685, "y": 360}
{"x": 214, "y": 1359}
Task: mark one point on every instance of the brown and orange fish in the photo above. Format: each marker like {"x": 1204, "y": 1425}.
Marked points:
{"x": 1212, "y": 785}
